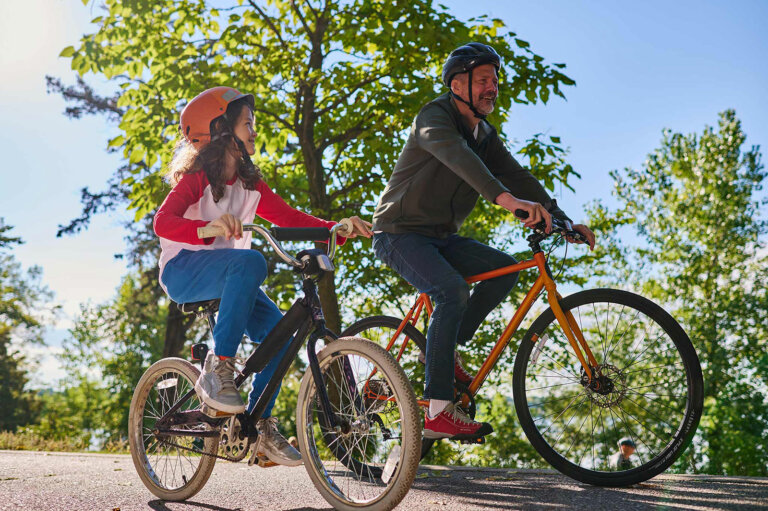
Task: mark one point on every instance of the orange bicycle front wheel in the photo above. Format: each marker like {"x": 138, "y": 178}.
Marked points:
{"x": 639, "y": 412}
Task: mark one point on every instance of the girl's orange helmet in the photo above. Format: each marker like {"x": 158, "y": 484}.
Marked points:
{"x": 205, "y": 107}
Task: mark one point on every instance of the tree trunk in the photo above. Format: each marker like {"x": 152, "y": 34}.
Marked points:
{"x": 330, "y": 302}
{"x": 313, "y": 164}
{"x": 176, "y": 326}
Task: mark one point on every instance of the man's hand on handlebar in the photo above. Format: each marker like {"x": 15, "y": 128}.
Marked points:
{"x": 232, "y": 226}
{"x": 584, "y": 231}
{"x": 359, "y": 228}
{"x": 536, "y": 212}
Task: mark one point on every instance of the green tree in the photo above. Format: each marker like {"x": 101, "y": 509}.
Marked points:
{"x": 337, "y": 84}
{"x": 696, "y": 211}
{"x": 23, "y": 302}
{"x": 110, "y": 346}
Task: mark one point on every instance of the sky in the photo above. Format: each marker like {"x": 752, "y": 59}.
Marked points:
{"x": 639, "y": 67}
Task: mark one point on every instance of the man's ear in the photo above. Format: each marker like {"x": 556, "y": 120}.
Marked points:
{"x": 457, "y": 85}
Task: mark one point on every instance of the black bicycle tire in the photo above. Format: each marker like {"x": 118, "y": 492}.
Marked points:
{"x": 682, "y": 437}
{"x": 358, "y": 328}
{"x": 405, "y": 474}
{"x": 135, "y": 416}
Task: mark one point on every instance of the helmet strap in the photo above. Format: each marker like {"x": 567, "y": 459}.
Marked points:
{"x": 220, "y": 135}
{"x": 469, "y": 103}
{"x": 243, "y": 152}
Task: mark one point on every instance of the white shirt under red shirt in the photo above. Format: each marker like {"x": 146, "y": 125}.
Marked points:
{"x": 190, "y": 205}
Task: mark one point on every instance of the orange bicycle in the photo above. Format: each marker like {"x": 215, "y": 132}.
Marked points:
{"x": 606, "y": 384}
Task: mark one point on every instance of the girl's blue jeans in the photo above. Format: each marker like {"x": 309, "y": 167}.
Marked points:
{"x": 234, "y": 276}
{"x": 438, "y": 266}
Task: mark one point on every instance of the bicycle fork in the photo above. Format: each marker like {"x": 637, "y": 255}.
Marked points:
{"x": 565, "y": 319}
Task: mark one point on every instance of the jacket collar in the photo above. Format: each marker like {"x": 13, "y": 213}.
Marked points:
{"x": 485, "y": 129}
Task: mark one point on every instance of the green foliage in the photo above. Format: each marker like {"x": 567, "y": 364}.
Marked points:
{"x": 701, "y": 252}
{"x": 337, "y": 84}
{"x": 71, "y": 415}
{"x": 27, "y": 439}
{"x": 110, "y": 347}
{"x": 24, "y": 302}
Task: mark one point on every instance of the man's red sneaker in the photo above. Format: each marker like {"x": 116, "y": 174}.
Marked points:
{"x": 454, "y": 423}
{"x": 459, "y": 372}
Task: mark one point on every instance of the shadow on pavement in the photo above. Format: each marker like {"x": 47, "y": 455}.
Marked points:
{"x": 159, "y": 505}
{"x": 517, "y": 491}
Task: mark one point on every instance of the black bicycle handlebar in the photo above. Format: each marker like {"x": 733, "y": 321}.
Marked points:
{"x": 558, "y": 226}
{"x": 301, "y": 233}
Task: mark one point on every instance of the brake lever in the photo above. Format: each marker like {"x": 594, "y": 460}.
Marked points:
{"x": 577, "y": 236}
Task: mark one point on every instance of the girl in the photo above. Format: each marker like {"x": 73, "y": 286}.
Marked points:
{"x": 216, "y": 183}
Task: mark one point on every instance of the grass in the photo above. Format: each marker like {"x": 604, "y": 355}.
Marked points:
{"x": 28, "y": 440}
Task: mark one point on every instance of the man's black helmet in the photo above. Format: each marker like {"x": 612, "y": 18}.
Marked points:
{"x": 466, "y": 58}
{"x": 626, "y": 441}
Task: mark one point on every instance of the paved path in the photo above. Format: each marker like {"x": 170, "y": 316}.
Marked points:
{"x": 75, "y": 482}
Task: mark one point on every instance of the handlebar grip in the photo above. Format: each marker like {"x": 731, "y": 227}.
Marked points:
{"x": 210, "y": 231}
{"x": 347, "y": 229}
{"x": 521, "y": 214}
{"x": 301, "y": 233}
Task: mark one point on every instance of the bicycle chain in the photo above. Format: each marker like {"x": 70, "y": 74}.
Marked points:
{"x": 217, "y": 456}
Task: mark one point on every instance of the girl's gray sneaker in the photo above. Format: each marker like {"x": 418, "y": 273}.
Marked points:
{"x": 216, "y": 385}
{"x": 274, "y": 445}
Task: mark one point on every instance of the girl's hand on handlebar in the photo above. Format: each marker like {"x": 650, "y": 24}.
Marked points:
{"x": 584, "y": 231}
{"x": 232, "y": 226}
{"x": 359, "y": 228}
{"x": 536, "y": 212}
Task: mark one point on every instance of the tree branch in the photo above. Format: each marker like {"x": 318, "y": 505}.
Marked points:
{"x": 309, "y": 5}
{"x": 346, "y": 136}
{"x": 349, "y": 134}
{"x": 355, "y": 184}
{"x": 348, "y": 92}
{"x": 275, "y": 117}
{"x": 269, "y": 22}
{"x": 308, "y": 30}
{"x": 87, "y": 101}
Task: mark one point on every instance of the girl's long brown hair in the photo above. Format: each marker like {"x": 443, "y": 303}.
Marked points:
{"x": 211, "y": 157}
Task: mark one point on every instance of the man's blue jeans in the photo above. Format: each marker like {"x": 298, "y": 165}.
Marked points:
{"x": 438, "y": 266}
{"x": 234, "y": 276}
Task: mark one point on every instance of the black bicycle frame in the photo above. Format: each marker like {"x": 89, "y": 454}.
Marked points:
{"x": 304, "y": 319}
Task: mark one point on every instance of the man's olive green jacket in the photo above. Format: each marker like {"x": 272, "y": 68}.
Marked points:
{"x": 442, "y": 171}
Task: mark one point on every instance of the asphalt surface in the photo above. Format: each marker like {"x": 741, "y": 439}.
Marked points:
{"x": 69, "y": 481}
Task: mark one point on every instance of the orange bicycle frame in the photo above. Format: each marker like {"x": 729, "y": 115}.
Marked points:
{"x": 543, "y": 281}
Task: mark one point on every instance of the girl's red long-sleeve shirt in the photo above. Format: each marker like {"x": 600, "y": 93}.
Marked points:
{"x": 190, "y": 205}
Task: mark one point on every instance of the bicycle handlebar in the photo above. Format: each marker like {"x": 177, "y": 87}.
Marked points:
{"x": 277, "y": 234}
{"x": 563, "y": 227}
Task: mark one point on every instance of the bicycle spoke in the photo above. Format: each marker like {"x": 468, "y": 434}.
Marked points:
{"x": 640, "y": 389}
{"x": 616, "y": 326}
{"x": 550, "y": 386}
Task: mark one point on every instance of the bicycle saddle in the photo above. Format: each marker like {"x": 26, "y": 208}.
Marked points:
{"x": 200, "y": 308}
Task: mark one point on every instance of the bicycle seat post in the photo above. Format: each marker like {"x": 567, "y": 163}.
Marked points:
{"x": 206, "y": 309}
{"x": 210, "y": 317}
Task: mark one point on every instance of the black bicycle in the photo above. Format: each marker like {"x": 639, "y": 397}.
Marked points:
{"x": 358, "y": 423}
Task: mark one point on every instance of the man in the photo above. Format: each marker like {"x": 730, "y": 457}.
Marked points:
{"x": 451, "y": 157}
{"x": 620, "y": 460}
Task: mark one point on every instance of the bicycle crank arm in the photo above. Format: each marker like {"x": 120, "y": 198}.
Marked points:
{"x": 163, "y": 432}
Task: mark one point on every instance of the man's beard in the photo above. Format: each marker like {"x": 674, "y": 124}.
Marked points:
{"x": 486, "y": 104}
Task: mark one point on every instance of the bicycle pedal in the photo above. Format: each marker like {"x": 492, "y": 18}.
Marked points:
{"x": 214, "y": 414}
{"x": 261, "y": 460}
{"x": 265, "y": 462}
{"x": 478, "y": 440}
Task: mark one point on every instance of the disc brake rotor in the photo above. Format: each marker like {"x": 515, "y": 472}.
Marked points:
{"x": 608, "y": 389}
